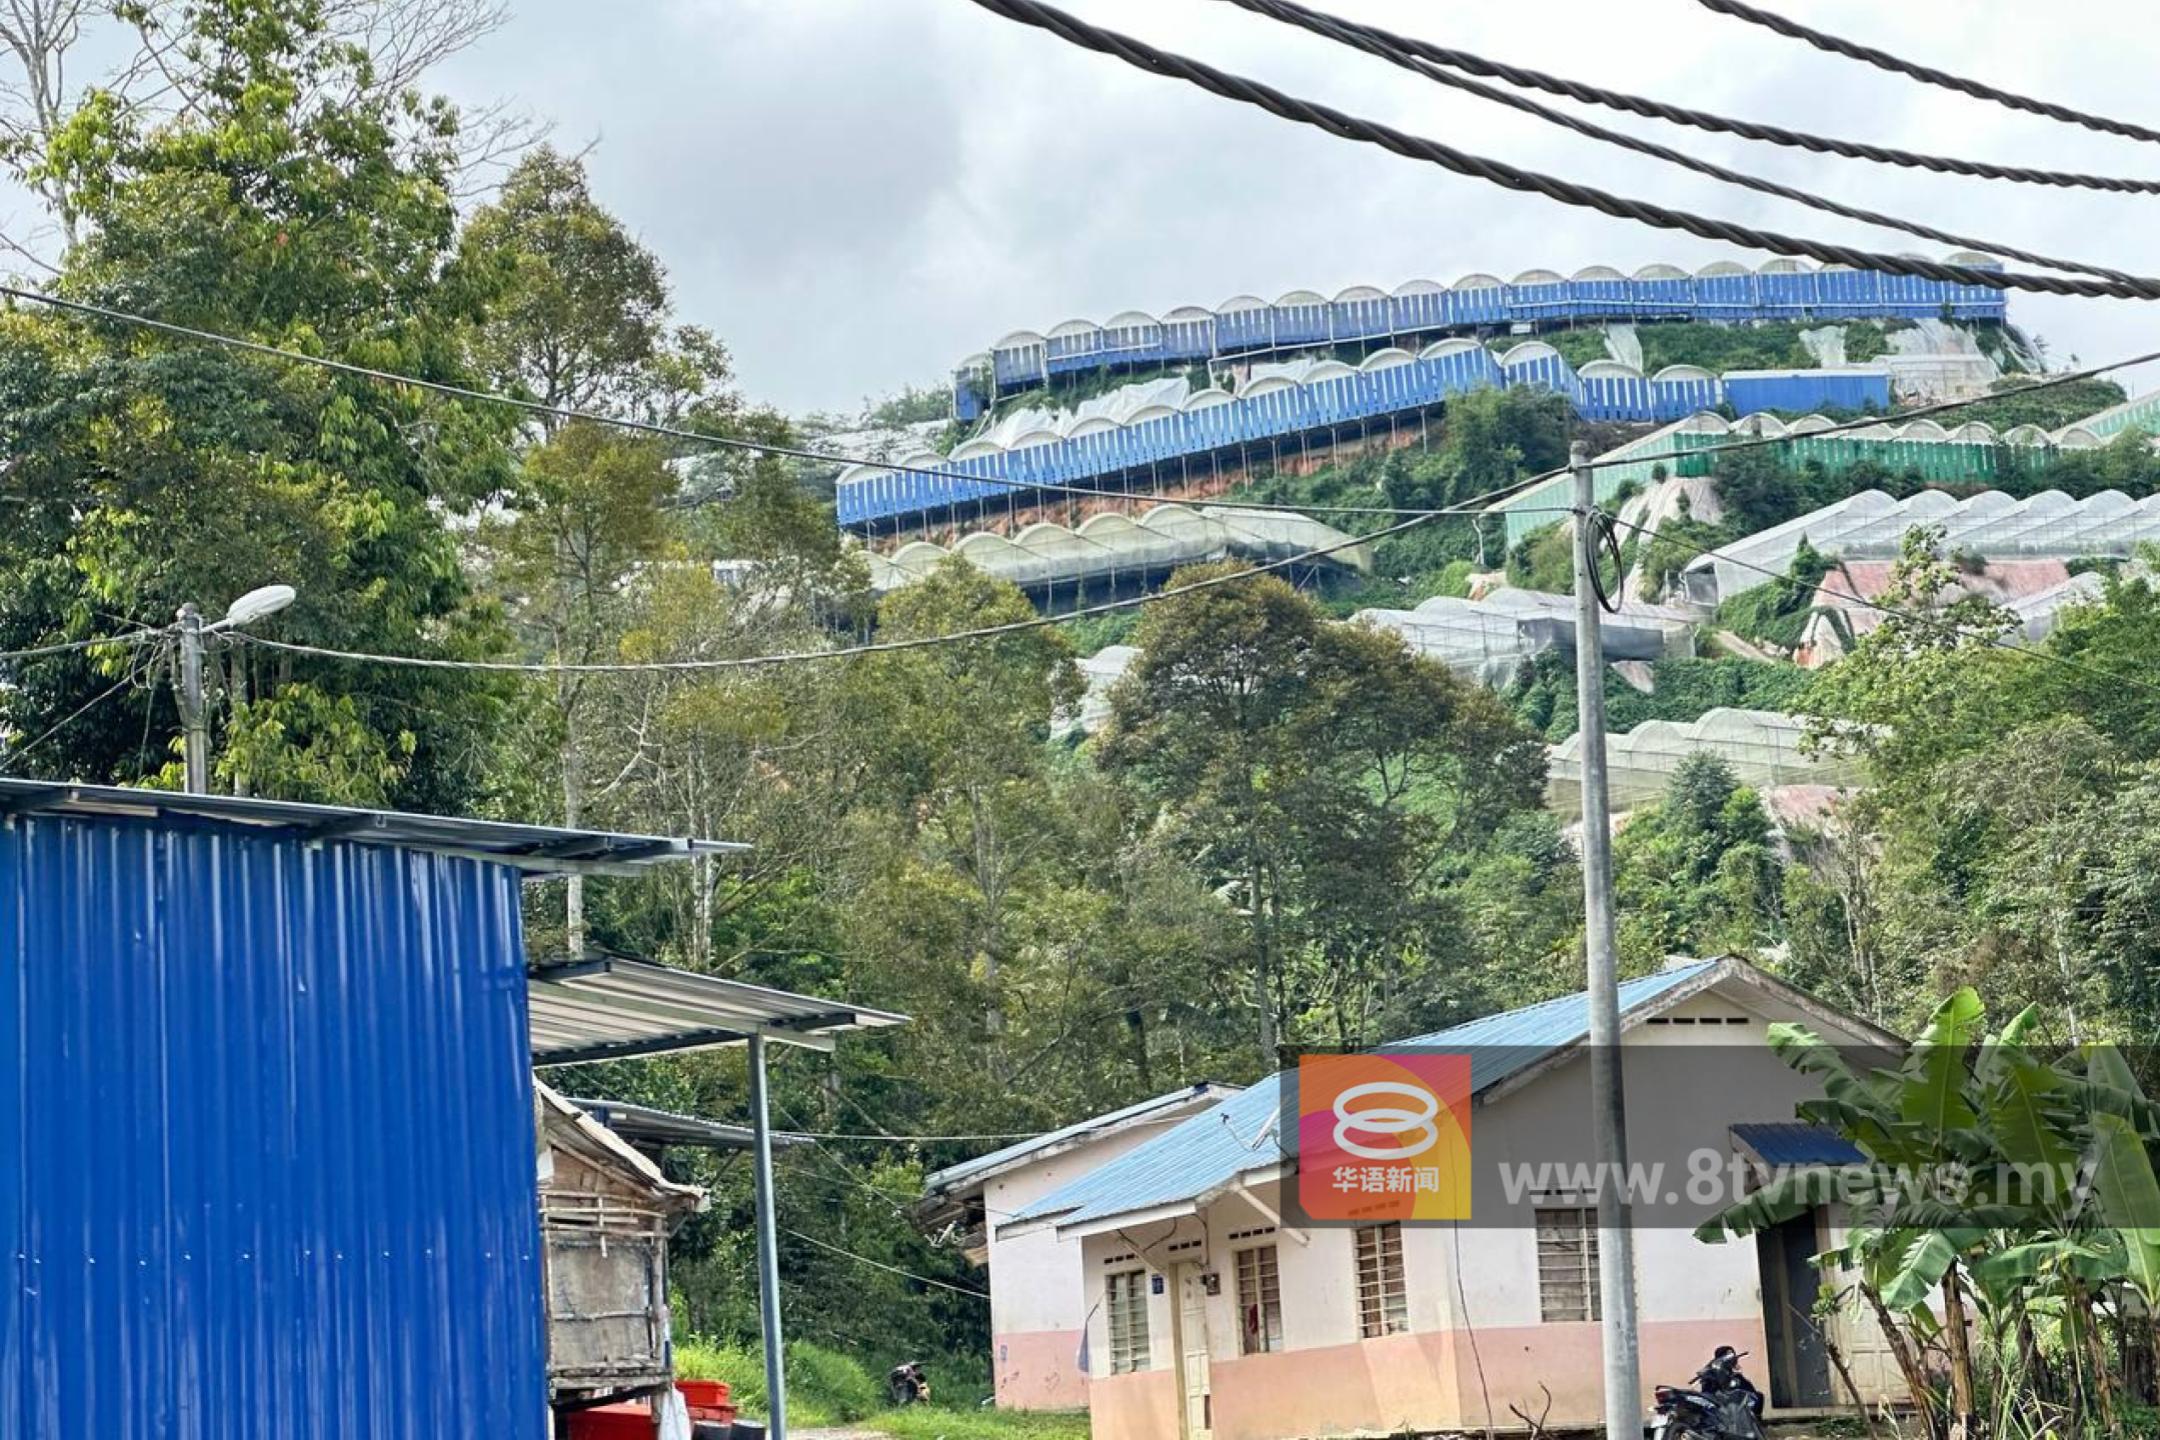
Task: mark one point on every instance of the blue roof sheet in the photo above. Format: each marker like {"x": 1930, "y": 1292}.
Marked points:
{"x": 953, "y": 1175}
{"x": 1214, "y": 1147}
{"x": 1794, "y": 1142}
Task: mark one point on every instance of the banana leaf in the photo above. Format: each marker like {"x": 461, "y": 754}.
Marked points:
{"x": 1789, "y": 1194}
{"x": 2129, "y": 1196}
{"x": 1932, "y": 1097}
{"x": 1923, "y": 1264}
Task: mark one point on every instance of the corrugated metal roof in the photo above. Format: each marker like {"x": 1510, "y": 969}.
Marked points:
{"x": 1209, "y": 1151}
{"x": 541, "y": 848}
{"x": 611, "y": 1007}
{"x": 1794, "y": 1142}
{"x": 649, "y": 1125}
{"x": 953, "y": 1176}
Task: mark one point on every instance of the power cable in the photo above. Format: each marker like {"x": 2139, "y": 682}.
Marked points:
{"x": 882, "y": 647}
{"x": 1524, "y": 78}
{"x": 1247, "y": 91}
{"x": 881, "y": 1265}
{"x": 1477, "y": 505}
{"x": 1927, "y": 75}
{"x": 12, "y": 754}
{"x": 70, "y": 647}
{"x": 1009, "y": 1136}
{"x": 565, "y": 412}
{"x": 1400, "y": 50}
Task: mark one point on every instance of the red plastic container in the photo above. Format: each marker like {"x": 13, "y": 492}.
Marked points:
{"x": 613, "y": 1422}
{"x": 704, "y": 1394}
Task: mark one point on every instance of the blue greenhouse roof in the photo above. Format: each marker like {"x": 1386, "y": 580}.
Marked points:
{"x": 1208, "y": 1152}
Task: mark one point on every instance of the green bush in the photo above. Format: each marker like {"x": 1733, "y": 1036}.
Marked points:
{"x": 824, "y": 1386}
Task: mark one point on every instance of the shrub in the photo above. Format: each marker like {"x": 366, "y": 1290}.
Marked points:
{"x": 824, "y": 1386}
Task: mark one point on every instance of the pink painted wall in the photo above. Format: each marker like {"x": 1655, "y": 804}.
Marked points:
{"x": 1569, "y": 1360}
{"x": 1039, "y": 1370}
{"x": 1139, "y": 1406}
{"x": 1402, "y": 1382}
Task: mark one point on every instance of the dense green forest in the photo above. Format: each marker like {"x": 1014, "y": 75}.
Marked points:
{"x": 1292, "y": 832}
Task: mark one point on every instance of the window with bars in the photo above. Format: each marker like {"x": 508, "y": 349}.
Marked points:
{"x": 1567, "y": 1261}
{"x": 1126, "y": 1303}
{"x": 1259, "y": 1298}
{"x": 1383, "y": 1306}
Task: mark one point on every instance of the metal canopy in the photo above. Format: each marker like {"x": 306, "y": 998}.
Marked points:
{"x": 610, "y": 1007}
{"x": 540, "y": 849}
{"x": 646, "y": 1125}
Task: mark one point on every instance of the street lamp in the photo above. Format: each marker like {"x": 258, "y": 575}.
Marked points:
{"x": 257, "y": 604}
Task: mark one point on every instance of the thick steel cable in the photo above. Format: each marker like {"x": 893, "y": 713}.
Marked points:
{"x": 1400, "y": 50}
{"x": 1511, "y": 177}
{"x": 1928, "y": 75}
{"x": 1524, "y": 78}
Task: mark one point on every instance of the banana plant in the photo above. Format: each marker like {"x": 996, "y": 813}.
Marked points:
{"x": 1997, "y": 1174}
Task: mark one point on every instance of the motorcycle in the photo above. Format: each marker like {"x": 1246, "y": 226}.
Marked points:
{"x": 1723, "y": 1405}
{"x": 906, "y": 1384}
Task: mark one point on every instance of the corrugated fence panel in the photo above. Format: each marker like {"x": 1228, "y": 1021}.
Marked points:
{"x": 267, "y": 1125}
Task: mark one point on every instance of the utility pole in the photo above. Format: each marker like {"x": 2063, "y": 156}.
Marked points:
{"x": 195, "y": 723}
{"x": 1608, "y": 1102}
{"x": 768, "y": 1244}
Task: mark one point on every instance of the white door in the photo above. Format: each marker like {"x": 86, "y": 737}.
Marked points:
{"x": 1192, "y": 1341}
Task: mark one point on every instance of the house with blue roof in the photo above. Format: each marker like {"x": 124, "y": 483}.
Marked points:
{"x": 1038, "y": 1303}
{"x": 1228, "y": 1296}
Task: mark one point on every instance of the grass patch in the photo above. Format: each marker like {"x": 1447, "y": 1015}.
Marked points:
{"x": 825, "y": 1387}
{"x": 935, "y": 1422}
{"x": 2009, "y": 407}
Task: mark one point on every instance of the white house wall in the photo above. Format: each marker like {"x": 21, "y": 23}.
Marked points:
{"x": 1039, "y": 1295}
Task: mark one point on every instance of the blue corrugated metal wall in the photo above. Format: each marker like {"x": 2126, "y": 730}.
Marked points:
{"x": 267, "y": 1140}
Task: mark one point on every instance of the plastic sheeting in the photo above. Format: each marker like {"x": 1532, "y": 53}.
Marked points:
{"x": 1990, "y": 525}
{"x": 1763, "y": 748}
{"x": 1137, "y": 430}
{"x": 267, "y": 1123}
{"x": 1962, "y": 455}
{"x": 1110, "y": 545}
{"x": 1724, "y": 291}
{"x": 1491, "y": 639}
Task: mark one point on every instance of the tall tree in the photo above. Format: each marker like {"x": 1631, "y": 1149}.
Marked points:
{"x": 582, "y": 320}
{"x": 1323, "y": 775}
{"x": 148, "y": 472}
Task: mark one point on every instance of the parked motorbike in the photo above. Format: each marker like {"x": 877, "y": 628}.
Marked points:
{"x": 906, "y": 1384}
{"x": 1723, "y": 1405}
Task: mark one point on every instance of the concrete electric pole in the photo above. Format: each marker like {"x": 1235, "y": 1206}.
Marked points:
{"x": 256, "y": 605}
{"x": 194, "y": 724}
{"x": 1608, "y": 1103}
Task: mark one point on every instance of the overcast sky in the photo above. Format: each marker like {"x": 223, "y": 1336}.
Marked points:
{"x": 856, "y": 194}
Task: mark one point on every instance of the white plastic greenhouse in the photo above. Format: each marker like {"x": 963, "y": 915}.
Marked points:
{"x": 1763, "y": 748}
{"x": 1101, "y": 671}
{"x": 1991, "y": 525}
{"x": 1492, "y": 638}
{"x": 1109, "y": 546}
